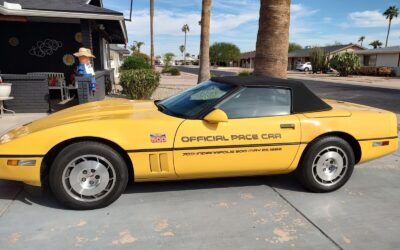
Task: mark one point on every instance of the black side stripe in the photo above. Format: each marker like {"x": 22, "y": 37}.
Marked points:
{"x": 215, "y": 147}
{"x": 377, "y": 139}
{"x": 21, "y": 156}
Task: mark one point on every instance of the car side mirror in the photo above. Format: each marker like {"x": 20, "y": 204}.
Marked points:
{"x": 216, "y": 116}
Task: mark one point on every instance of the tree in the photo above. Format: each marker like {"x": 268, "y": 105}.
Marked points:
{"x": 152, "y": 59}
{"x": 318, "y": 58}
{"x": 390, "y": 13}
{"x": 168, "y": 59}
{"x": 294, "y": 46}
{"x": 224, "y": 53}
{"x": 185, "y": 29}
{"x": 137, "y": 45}
{"x": 361, "y": 40}
{"x": 376, "y": 44}
{"x": 345, "y": 63}
{"x": 182, "y": 49}
{"x": 273, "y": 39}
{"x": 204, "y": 71}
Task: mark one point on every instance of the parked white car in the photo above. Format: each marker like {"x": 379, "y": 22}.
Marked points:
{"x": 304, "y": 66}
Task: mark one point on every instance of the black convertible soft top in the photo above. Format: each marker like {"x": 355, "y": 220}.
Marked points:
{"x": 303, "y": 99}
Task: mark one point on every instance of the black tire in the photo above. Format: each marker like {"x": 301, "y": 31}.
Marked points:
{"x": 307, "y": 171}
{"x": 90, "y": 152}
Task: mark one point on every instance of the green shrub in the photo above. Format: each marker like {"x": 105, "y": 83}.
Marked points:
{"x": 171, "y": 70}
{"x": 245, "y": 73}
{"x": 168, "y": 57}
{"x": 136, "y": 61}
{"x": 139, "y": 83}
{"x": 319, "y": 60}
{"x": 345, "y": 63}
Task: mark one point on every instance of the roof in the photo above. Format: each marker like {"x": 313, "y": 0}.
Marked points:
{"x": 327, "y": 49}
{"x": 303, "y": 99}
{"x": 388, "y": 50}
{"x": 119, "y": 49}
{"x": 72, "y": 9}
{"x": 62, "y": 5}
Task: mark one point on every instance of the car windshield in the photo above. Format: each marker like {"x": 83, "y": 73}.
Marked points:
{"x": 191, "y": 102}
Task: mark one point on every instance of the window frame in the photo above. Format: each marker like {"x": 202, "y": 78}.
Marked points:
{"x": 239, "y": 88}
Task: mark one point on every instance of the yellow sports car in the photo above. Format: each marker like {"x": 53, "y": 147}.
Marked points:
{"x": 230, "y": 126}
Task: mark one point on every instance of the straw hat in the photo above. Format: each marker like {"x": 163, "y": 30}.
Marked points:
{"x": 84, "y": 52}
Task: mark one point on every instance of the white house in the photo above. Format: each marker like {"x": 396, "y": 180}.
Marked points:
{"x": 117, "y": 57}
{"x": 382, "y": 57}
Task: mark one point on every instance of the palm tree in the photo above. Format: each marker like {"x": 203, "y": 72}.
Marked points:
{"x": 137, "y": 45}
{"x": 185, "y": 29}
{"x": 182, "y": 49}
{"x": 273, "y": 39}
{"x": 390, "y": 13}
{"x": 152, "y": 61}
{"x": 376, "y": 44}
{"x": 204, "y": 71}
{"x": 361, "y": 40}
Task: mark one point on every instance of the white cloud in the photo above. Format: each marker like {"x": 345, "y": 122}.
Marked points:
{"x": 170, "y": 23}
{"x": 370, "y": 19}
{"x": 298, "y": 11}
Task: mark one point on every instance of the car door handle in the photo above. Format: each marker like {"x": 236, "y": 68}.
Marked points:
{"x": 288, "y": 126}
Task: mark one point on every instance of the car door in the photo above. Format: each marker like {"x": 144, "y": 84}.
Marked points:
{"x": 261, "y": 136}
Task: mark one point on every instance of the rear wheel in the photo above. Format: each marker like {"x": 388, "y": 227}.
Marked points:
{"x": 306, "y": 69}
{"x": 88, "y": 175}
{"x": 327, "y": 165}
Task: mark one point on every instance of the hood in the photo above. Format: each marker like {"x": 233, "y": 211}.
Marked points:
{"x": 110, "y": 109}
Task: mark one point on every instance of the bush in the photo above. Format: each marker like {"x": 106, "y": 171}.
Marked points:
{"x": 319, "y": 60}
{"x": 375, "y": 71}
{"x": 245, "y": 73}
{"x": 345, "y": 63}
{"x": 171, "y": 70}
{"x": 139, "y": 83}
{"x": 136, "y": 61}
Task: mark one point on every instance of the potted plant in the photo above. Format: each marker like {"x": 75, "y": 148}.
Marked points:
{"x": 5, "y": 88}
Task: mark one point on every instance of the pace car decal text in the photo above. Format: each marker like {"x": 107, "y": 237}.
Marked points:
{"x": 238, "y": 137}
{"x": 232, "y": 151}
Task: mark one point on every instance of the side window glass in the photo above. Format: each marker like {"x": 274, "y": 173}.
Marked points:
{"x": 254, "y": 102}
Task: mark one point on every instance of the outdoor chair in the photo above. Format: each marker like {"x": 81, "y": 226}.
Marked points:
{"x": 58, "y": 80}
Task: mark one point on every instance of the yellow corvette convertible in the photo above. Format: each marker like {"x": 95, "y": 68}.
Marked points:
{"x": 230, "y": 126}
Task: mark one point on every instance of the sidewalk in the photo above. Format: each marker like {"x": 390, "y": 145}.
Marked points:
{"x": 9, "y": 122}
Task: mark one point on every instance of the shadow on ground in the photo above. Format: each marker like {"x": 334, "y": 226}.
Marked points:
{"x": 31, "y": 195}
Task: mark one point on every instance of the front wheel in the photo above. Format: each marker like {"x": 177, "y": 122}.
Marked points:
{"x": 88, "y": 175}
{"x": 327, "y": 165}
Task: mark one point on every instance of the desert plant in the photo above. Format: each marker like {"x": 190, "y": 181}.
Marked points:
{"x": 136, "y": 61}
{"x": 376, "y": 44}
{"x": 319, "y": 60}
{"x": 245, "y": 73}
{"x": 168, "y": 59}
{"x": 345, "y": 63}
{"x": 140, "y": 83}
{"x": 171, "y": 70}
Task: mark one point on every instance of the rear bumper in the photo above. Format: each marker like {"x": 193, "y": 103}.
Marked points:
{"x": 370, "y": 152}
{"x": 27, "y": 174}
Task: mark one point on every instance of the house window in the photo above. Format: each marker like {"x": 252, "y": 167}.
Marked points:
{"x": 370, "y": 60}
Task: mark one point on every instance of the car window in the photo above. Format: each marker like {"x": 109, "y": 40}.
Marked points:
{"x": 189, "y": 103}
{"x": 257, "y": 102}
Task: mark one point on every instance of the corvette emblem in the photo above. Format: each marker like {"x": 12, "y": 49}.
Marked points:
{"x": 158, "y": 138}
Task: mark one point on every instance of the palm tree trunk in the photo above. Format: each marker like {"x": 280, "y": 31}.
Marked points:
{"x": 152, "y": 61}
{"x": 204, "y": 72}
{"x": 273, "y": 39}
{"x": 387, "y": 37}
{"x": 184, "y": 52}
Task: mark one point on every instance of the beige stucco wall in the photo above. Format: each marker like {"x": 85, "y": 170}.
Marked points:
{"x": 388, "y": 60}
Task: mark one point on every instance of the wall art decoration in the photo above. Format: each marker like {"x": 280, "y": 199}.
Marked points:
{"x": 68, "y": 59}
{"x": 78, "y": 37}
{"x": 13, "y": 41}
{"x": 45, "y": 48}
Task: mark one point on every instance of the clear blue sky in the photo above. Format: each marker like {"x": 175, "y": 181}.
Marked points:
{"x": 313, "y": 22}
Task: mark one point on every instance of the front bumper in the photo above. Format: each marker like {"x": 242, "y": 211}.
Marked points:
{"x": 27, "y": 174}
